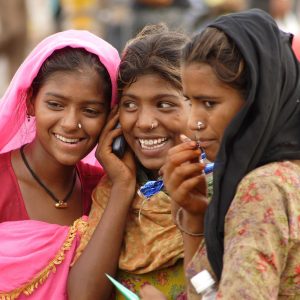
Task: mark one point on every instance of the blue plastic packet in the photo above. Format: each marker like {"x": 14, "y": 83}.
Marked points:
{"x": 150, "y": 188}
{"x": 209, "y": 168}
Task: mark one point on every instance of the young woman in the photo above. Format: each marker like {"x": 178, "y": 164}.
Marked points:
{"x": 152, "y": 113}
{"x": 242, "y": 79}
{"x": 51, "y": 118}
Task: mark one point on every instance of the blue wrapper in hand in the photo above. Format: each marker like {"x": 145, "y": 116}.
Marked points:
{"x": 150, "y": 188}
{"x": 209, "y": 168}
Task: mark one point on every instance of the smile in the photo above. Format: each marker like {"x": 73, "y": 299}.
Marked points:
{"x": 66, "y": 140}
{"x": 152, "y": 143}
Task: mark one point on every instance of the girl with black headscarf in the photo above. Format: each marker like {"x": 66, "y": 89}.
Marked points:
{"x": 242, "y": 79}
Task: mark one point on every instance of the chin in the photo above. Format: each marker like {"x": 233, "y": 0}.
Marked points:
{"x": 151, "y": 165}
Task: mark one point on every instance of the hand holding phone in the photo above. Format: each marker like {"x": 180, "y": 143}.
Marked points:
{"x": 119, "y": 144}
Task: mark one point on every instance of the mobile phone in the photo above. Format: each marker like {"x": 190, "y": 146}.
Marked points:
{"x": 119, "y": 144}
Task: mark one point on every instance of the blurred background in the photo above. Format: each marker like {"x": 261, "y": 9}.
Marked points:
{"x": 23, "y": 23}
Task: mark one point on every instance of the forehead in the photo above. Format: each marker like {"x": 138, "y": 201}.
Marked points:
{"x": 148, "y": 84}
{"x": 197, "y": 76}
{"x": 84, "y": 83}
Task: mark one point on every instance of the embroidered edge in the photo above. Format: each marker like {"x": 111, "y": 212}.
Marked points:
{"x": 29, "y": 288}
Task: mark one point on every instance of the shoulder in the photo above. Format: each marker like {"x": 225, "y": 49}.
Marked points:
{"x": 89, "y": 173}
{"x": 89, "y": 176}
{"x": 273, "y": 186}
{"x": 5, "y": 165}
{"x": 5, "y": 159}
{"x": 276, "y": 172}
{"x": 284, "y": 175}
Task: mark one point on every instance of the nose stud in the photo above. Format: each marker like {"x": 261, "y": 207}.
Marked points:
{"x": 79, "y": 125}
{"x": 200, "y": 125}
{"x": 153, "y": 125}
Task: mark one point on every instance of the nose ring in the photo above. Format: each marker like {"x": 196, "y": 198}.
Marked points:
{"x": 153, "y": 125}
{"x": 79, "y": 125}
{"x": 200, "y": 125}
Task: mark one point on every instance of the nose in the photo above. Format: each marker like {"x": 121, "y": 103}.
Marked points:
{"x": 197, "y": 121}
{"x": 70, "y": 120}
{"x": 146, "y": 119}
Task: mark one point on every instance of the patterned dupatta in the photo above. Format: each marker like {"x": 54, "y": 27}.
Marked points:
{"x": 151, "y": 241}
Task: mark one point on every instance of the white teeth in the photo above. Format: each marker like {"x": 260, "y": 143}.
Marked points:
{"x": 152, "y": 143}
{"x": 66, "y": 140}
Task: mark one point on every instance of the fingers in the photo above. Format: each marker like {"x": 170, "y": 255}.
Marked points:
{"x": 176, "y": 159}
{"x": 149, "y": 292}
{"x": 128, "y": 159}
{"x": 180, "y": 174}
{"x": 110, "y": 125}
{"x": 193, "y": 202}
{"x": 187, "y": 145}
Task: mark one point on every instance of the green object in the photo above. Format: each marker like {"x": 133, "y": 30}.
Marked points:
{"x": 128, "y": 294}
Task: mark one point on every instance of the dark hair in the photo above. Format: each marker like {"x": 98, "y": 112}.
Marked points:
{"x": 155, "y": 50}
{"x": 71, "y": 59}
{"x": 215, "y": 48}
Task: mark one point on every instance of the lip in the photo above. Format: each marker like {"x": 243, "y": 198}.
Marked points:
{"x": 205, "y": 143}
{"x": 68, "y": 141}
{"x": 154, "y": 151}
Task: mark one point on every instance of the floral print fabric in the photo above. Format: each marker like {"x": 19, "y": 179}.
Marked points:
{"x": 262, "y": 237}
{"x": 170, "y": 281}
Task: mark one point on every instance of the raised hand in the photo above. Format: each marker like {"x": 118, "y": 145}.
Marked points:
{"x": 121, "y": 171}
{"x": 184, "y": 179}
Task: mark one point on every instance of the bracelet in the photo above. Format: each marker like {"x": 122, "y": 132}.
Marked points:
{"x": 179, "y": 225}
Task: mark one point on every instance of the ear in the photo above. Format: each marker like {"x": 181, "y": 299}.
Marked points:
{"x": 30, "y": 103}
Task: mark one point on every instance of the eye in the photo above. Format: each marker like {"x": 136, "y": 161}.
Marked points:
{"x": 54, "y": 105}
{"x": 165, "y": 104}
{"x": 129, "y": 105}
{"x": 91, "y": 112}
{"x": 188, "y": 100}
{"x": 209, "y": 104}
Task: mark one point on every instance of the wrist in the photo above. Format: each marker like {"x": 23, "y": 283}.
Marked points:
{"x": 123, "y": 191}
{"x": 189, "y": 224}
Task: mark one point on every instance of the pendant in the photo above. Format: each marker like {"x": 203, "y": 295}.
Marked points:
{"x": 61, "y": 204}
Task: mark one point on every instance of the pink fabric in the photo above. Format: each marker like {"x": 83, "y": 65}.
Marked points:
{"x": 296, "y": 46}
{"x": 12, "y": 205}
{"x": 27, "y": 248}
{"x": 14, "y": 128}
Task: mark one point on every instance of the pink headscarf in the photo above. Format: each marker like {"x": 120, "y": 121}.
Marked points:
{"x": 15, "y": 130}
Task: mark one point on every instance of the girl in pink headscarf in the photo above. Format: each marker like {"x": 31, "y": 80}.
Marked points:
{"x": 51, "y": 117}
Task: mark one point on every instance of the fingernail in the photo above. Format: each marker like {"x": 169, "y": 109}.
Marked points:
{"x": 184, "y": 138}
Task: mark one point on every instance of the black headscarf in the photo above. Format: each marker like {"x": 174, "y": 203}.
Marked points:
{"x": 267, "y": 129}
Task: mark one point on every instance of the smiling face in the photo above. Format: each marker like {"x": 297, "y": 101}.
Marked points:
{"x": 150, "y": 99}
{"x": 214, "y": 103}
{"x": 65, "y": 100}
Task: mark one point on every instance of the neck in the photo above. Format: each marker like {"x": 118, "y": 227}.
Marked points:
{"x": 46, "y": 167}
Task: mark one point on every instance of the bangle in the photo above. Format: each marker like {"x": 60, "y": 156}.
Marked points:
{"x": 179, "y": 225}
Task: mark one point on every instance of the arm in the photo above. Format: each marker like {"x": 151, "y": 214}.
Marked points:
{"x": 87, "y": 278}
{"x": 186, "y": 185}
{"x": 256, "y": 240}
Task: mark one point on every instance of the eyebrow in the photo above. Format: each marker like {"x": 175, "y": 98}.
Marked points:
{"x": 202, "y": 97}
{"x": 91, "y": 101}
{"x": 156, "y": 96}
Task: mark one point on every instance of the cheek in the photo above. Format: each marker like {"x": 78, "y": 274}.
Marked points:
{"x": 94, "y": 128}
{"x": 180, "y": 122}
{"x": 127, "y": 122}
